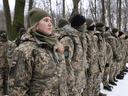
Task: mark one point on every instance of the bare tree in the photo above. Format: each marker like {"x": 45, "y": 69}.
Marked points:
{"x": 119, "y": 14}
{"x": 63, "y": 8}
{"x": 30, "y": 7}
{"x": 75, "y": 8}
{"x": 103, "y": 11}
{"x": 7, "y": 17}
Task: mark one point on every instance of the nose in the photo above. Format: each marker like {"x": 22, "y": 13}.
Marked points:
{"x": 50, "y": 23}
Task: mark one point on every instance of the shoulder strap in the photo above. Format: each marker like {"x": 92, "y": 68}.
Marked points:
{"x": 73, "y": 40}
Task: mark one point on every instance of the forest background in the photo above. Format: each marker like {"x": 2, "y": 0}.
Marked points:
{"x": 13, "y": 13}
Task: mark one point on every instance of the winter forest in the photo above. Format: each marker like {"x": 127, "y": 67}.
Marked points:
{"x": 112, "y": 13}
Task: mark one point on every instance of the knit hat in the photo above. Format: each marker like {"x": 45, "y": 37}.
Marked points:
{"x": 99, "y": 24}
{"x": 126, "y": 36}
{"x": 62, "y": 22}
{"x": 114, "y": 30}
{"x": 120, "y": 33}
{"x": 22, "y": 30}
{"x": 106, "y": 34}
{"x": 88, "y": 22}
{"x": 36, "y": 14}
{"x": 77, "y": 20}
{"x": 2, "y": 31}
{"x": 106, "y": 28}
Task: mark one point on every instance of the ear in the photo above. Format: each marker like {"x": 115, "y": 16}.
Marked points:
{"x": 36, "y": 26}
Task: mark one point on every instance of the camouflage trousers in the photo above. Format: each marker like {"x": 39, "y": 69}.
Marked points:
{"x": 105, "y": 76}
{"x": 112, "y": 71}
{"x": 124, "y": 64}
{"x": 117, "y": 64}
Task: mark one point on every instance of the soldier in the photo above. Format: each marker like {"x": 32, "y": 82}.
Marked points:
{"x": 126, "y": 39}
{"x": 92, "y": 65}
{"x": 76, "y": 74}
{"x": 115, "y": 33}
{"x": 101, "y": 57}
{"x": 79, "y": 23}
{"x": 109, "y": 56}
{"x": 123, "y": 54}
{"x": 4, "y": 68}
{"x": 38, "y": 66}
{"x": 15, "y": 43}
{"x": 116, "y": 57}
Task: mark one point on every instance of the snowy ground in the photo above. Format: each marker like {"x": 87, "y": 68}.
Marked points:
{"x": 120, "y": 90}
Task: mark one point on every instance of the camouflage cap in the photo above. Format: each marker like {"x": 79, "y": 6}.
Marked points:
{"x": 99, "y": 24}
{"x": 126, "y": 36}
{"x": 22, "y": 30}
{"x": 36, "y": 14}
{"x": 88, "y": 22}
{"x": 2, "y": 31}
{"x": 106, "y": 34}
{"x": 114, "y": 30}
{"x": 62, "y": 22}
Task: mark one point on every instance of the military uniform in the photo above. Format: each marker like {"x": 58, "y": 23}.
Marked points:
{"x": 74, "y": 62}
{"x": 101, "y": 60}
{"x": 116, "y": 57}
{"x": 37, "y": 70}
{"x": 4, "y": 68}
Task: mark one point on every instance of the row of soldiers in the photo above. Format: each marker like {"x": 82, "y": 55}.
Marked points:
{"x": 34, "y": 64}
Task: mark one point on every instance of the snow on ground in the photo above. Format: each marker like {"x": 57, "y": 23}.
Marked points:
{"x": 120, "y": 90}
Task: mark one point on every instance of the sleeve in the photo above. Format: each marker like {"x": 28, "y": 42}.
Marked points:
{"x": 20, "y": 74}
{"x": 113, "y": 44}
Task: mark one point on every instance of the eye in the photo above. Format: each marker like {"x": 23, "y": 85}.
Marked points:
{"x": 46, "y": 20}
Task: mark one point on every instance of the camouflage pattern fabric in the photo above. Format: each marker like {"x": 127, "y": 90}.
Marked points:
{"x": 109, "y": 55}
{"x": 92, "y": 67}
{"x": 101, "y": 60}
{"x": 4, "y": 68}
{"x": 116, "y": 56}
{"x": 36, "y": 72}
{"x": 74, "y": 61}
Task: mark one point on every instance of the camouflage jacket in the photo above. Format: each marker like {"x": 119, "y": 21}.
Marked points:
{"x": 123, "y": 48}
{"x": 4, "y": 68}
{"x": 75, "y": 59}
{"x": 115, "y": 46}
{"x": 102, "y": 50}
{"x": 11, "y": 48}
{"x": 109, "y": 53}
{"x": 35, "y": 71}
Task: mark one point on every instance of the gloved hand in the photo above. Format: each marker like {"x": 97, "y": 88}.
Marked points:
{"x": 107, "y": 65}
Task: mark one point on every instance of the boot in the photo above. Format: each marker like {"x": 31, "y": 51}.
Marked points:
{"x": 115, "y": 80}
{"x": 125, "y": 70}
{"x": 107, "y": 88}
{"x": 110, "y": 86}
{"x": 101, "y": 94}
{"x": 119, "y": 77}
{"x": 122, "y": 73}
{"x": 113, "y": 83}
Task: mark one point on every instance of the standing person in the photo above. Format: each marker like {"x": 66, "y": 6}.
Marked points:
{"x": 112, "y": 40}
{"x": 75, "y": 69}
{"x": 79, "y": 23}
{"x": 109, "y": 56}
{"x": 101, "y": 57}
{"x": 126, "y": 39}
{"x": 4, "y": 68}
{"x": 92, "y": 65}
{"x": 38, "y": 65}
{"x": 122, "y": 45}
{"x": 115, "y": 33}
{"x": 15, "y": 43}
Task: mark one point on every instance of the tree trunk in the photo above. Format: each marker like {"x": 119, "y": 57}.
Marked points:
{"x": 63, "y": 8}
{"x": 109, "y": 13}
{"x": 95, "y": 12}
{"x": 117, "y": 14}
{"x": 30, "y": 7}
{"x": 103, "y": 12}
{"x": 18, "y": 18}
{"x": 7, "y": 18}
{"x": 75, "y": 8}
{"x": 120, "y": 15}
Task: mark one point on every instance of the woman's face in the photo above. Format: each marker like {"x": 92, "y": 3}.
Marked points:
{"x": 45, "y": 25}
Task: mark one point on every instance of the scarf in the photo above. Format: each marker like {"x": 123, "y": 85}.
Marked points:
{"x": 50, "y": 40}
